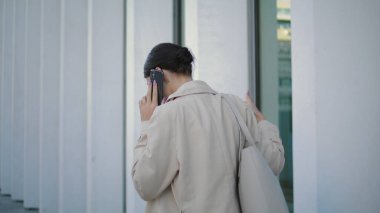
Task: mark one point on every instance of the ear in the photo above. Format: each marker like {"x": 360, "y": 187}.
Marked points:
{"x": 167, "y": 76}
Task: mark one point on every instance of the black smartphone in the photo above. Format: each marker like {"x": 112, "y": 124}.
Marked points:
{"x": 158, "y": 76}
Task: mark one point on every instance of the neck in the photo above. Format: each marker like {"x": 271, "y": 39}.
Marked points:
{"x": 180, "y": 80}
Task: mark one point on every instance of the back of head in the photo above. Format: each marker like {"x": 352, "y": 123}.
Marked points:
{"x": 171, "y": 57}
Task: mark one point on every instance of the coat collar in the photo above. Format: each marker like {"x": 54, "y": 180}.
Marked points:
{"x": 192, "y": 87}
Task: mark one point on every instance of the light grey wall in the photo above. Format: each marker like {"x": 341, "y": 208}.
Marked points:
{"x": 223, "y": 45}
{"x": 105, "y": 126}
{"x": 304, "y": 107}
{"x": 62, "y": 87}
{"x": 18, "y": 101}
{"x": 336, "y": 62}
{"x": 50, "y": 106}
{"x": 32, "y": 105}
{"x": 7, "y": 97}
{"x": 2, "y": 16}
{"x": 74, "y": 105}
{"x": 216, "y": 33}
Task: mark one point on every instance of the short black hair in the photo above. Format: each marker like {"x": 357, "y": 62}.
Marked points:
{"x": 171, "y": 57}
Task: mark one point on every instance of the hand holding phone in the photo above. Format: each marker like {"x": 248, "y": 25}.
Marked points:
{"x": 158, "y": 76}
{"x": 149, "y": 102}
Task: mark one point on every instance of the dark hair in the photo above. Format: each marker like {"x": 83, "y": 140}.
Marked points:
{"x": 170, "y": 57}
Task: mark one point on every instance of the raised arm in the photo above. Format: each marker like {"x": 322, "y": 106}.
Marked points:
{"x": 267, "y": 137}
{"x": 155, "y": 159}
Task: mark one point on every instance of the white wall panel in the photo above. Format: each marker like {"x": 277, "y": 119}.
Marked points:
{"x": 18, "y": 102}
{"x": 219, "y": 38}
{"x": 62, "y": 101}
{"x": 149, "y": 22}
{"x": 73, "y": 159}
{"x": 33, "y": 81}
{"x": 7, "y": 98}
{"x": 49, "y": 152}
{"x": 336, "y": 105}
{"x": 2, "y": 9}
{"x": 304, "y": 107}
{"x": 348, "y": 101}
{"x": 105, "y": 121}
{"x": 190, "y": 30}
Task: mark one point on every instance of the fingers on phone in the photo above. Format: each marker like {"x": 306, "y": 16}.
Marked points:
{"x": 154, "y": 98}
{"x": 149, "y": 92}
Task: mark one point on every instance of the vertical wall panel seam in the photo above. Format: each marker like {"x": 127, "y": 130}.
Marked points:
{"x": 61, "y": 99}
{"x": 42, "y": 52}
{"x": 124, "y": 141}
{"x": 89, "y": 107}
{"x": 130, "y": 116}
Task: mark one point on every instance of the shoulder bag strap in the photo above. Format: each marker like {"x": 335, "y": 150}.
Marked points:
{"x": 241, "y": 122}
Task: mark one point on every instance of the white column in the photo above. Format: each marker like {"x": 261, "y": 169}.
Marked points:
{"x": 304, "y": 107}
{"x": 219, "y": 40}
{"x": 190, "y": 31}
{"x": 336, "y": 105}
{"x": 18, "y": 102}
{"x": 149, "y": 22}
{"x": 82, "y": 138}
{"x": 72, "y": 97}
{"x": 49, "y": 146}
{"x": 105, "y": 106}
{"x": 7, "y": 97}
{"x": 33, "y": 95}
{"x": 73, "y": 100}
{"x": 2, "y": 16}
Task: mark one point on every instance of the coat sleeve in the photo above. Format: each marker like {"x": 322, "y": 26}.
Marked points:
{"x": 268, "y": 141}
{"x": 155, "y": 158}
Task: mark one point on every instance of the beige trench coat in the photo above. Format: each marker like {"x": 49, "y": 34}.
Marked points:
{"x": 186, "y": 157}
